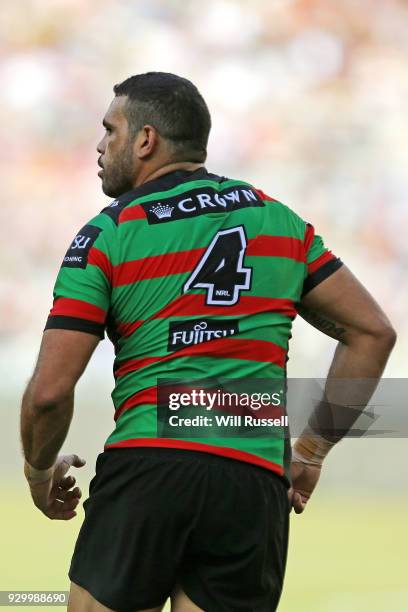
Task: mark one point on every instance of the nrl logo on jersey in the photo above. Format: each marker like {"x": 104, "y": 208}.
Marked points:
{"x": 200, "y": 202}
{"x": 189, "y": 333}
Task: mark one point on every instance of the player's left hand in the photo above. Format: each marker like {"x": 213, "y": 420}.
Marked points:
{"x": 56, "y": 497}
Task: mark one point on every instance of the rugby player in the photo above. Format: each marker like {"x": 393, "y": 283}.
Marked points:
{"x": 181, "y": 251}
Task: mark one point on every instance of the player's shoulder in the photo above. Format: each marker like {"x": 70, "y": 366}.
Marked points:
{"x": 275, "y": 203}
{"x": 280, "y": 210}
{"x": 99, "y": 232}
{"x": 269, "y": 200}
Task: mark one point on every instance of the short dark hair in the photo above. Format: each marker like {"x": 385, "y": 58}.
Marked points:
{"x": 174, "y": 106}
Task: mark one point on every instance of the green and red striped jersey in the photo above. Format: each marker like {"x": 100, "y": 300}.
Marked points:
{"x": 193, "y": 276}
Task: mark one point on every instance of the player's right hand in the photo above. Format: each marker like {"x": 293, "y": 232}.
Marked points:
{"x": 56, "y": 497}
{"x": 304, "y": 480}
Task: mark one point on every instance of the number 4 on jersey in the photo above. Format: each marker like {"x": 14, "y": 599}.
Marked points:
{"x": 221, "y": 269}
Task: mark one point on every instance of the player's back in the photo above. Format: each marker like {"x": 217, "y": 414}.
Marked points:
{"x": 196, "y": 276}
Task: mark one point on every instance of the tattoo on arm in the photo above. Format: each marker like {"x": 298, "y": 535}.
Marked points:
{"x": 321, "y": 323}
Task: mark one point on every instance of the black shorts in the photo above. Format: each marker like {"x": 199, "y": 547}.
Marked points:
{"x": 156, "y": 518}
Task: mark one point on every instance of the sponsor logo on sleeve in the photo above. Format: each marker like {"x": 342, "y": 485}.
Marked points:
{"x": 189, "y": 333}
{"x": 200, "y": 202}
{"x": 77, "y": 254}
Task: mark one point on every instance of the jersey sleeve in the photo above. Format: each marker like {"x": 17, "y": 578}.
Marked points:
{"x": 321, "y": 262}
{"x": 83, "y": 287}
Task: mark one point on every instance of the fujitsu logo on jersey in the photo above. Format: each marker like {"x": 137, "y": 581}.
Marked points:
{"x": 200, "y": 202}
{"x": 189, "y": 333}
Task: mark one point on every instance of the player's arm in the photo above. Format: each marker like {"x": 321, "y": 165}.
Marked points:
{"x": 74, "y": 327}
{"x": 46, "y": 414}
{"x": 48, "y": 401}
{"x": 343, "y": 309}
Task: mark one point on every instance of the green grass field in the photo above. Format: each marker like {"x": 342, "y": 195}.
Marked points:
{"x": 346, "y": 555}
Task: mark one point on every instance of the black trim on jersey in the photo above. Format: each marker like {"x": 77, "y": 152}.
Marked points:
{"x": 75, "y": 324}
{"x": 112, "y": 333}
{"x": 321, "y": 274}
{"x": 162, "y": 183}
{"x": 115, "y": 208}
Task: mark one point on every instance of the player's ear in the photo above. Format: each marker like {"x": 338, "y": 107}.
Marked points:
{"x": 146, "y": 141}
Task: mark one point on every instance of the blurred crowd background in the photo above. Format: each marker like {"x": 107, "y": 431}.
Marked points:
{"x": 308, "y": 99}
{"x": 308, "y": 102}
